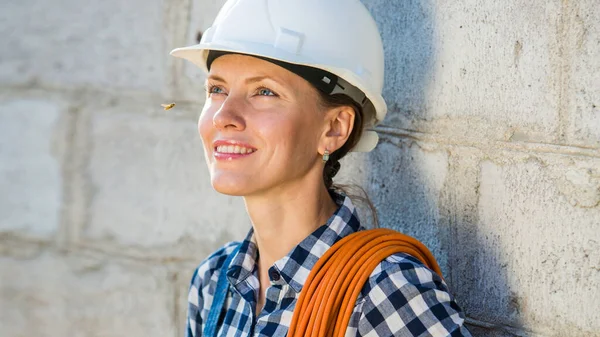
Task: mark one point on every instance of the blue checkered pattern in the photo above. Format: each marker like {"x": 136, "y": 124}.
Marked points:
{"x": 401, "y": 298}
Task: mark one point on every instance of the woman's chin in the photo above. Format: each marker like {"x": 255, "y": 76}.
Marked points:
{"x": 235, "y": 186}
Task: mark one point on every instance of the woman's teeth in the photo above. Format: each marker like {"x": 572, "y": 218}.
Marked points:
{"x": 236, "y": 149}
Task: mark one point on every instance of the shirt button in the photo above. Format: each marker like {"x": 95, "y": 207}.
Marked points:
{"x": 274, "y": 274}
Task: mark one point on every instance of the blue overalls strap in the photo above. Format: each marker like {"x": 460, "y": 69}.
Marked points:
{"x": 210, "y": 327}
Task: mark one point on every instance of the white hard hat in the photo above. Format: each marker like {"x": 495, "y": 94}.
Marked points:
{"x": 337, "y": 36}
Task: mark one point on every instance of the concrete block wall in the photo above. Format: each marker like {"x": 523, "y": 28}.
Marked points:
{"x": 490, "y": 155}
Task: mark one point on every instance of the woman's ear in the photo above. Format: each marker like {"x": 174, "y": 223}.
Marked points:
{"x": 338, "y": 128}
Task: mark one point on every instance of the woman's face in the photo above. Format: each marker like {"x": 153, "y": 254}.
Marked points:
{"x": 260, "y": 126}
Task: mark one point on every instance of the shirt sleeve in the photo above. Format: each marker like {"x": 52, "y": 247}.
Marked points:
{"x": 195, "y": 304}
{"x": 405, "y": 298}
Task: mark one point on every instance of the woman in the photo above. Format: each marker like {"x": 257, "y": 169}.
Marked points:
{"x": 292, "y": 85}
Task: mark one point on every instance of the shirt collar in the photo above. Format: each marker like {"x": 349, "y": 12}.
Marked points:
{"x": 297, "y": 264}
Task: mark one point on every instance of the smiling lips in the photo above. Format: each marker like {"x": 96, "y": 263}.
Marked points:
{"x": 234, "y": 149}
{"x": 229, "y": 151}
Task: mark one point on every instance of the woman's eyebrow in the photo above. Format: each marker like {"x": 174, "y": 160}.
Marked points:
{"x": 260, "y": 78}
{"x": 256, "y": 79}
{"x": 216, "y": 78}
{"x": 249, "y": 80}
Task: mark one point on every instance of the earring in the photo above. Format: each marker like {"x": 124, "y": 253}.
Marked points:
{"x": 325, "y": 156}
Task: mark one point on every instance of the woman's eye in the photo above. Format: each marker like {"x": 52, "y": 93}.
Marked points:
{"x": 265, "y": 92}
{"x": 215, "y": 90}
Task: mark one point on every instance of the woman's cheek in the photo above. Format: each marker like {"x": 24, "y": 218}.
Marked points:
{"x": 205, "y": 125}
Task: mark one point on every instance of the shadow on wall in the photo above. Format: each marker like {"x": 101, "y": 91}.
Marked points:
{"x": 426, "y": 190}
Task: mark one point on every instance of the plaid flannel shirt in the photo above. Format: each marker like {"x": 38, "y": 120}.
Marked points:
{"x": 402, "y": 297}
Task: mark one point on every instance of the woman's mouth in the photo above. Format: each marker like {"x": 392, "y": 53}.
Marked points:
{"x": 230, "y": 151}
{"x": 233, "y": 149}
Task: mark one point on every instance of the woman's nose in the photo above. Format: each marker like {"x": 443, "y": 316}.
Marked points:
{"x": 229, "y": 115}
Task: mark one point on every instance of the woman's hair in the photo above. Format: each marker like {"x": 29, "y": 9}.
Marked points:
{"x": 332, "y": 166}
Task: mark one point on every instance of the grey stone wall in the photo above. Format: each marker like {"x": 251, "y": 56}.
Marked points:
{"x": 490, "y": 155}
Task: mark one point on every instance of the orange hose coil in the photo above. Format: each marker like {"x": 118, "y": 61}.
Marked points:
{"x": 333, "y": 285}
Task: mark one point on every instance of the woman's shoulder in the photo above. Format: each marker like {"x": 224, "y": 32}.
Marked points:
{"x": 401, "y": 284}
{"x": 210, "y": 267}
{"x": 402, "y": 271}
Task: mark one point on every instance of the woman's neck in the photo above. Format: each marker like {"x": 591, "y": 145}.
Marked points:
{"x": 286, "y": 216}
